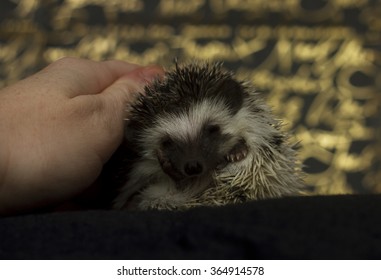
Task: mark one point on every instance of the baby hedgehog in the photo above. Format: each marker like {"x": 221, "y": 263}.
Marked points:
{"x": 200, "y": 137}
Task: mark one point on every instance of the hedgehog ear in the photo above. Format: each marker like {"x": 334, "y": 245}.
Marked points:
{"x": 233, "y": 94}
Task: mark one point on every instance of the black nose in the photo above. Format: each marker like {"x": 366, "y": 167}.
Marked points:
{"x": 193, "y": 168}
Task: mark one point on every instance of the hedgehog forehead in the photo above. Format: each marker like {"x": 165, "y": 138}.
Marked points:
{"x": 185, "y": 86}
{"x": 196, "y": 82}
{"x": 186, "y": 126}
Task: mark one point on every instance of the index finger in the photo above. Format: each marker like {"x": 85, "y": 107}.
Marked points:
{"x": 81, "y": 77}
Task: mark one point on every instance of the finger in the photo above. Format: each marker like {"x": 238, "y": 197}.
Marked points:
{"x": 110, "y": 107}
{"x": 125, "y": 89}
{"x": 80, "y": 76}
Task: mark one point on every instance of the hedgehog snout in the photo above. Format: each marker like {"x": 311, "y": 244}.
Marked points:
{"x": 181, "y": 170}
{"x": 183, "y": 166}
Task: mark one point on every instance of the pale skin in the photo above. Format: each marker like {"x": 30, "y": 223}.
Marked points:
{"x": 59, "y": 126}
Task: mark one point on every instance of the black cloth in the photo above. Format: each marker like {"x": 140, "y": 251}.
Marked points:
{"x": 319, "y": 227}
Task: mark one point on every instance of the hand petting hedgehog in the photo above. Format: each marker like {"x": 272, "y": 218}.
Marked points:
{"x": 200, "y": 137}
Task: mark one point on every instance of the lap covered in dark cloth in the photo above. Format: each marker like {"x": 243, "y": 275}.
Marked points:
{"x": 318, "y": 227}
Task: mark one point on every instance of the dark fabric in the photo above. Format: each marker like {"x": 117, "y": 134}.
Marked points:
{"x": 321, "y": 227}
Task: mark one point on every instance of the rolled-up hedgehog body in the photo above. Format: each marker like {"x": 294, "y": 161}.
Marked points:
{"x": 201, "y": 137}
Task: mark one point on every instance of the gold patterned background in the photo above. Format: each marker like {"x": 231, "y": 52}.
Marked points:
{"x": 317, "y": 61}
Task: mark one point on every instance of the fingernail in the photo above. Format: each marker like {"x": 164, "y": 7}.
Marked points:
{"x": 151, "y": 73}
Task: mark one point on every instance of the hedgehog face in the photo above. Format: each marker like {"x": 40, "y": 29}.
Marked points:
{"x": 181, "y": 159}
{"x": 195, "y": 142}
{"x": 188, "y": 123}
{"x": 189, "y": 160}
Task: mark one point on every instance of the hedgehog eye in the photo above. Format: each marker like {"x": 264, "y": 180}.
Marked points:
{"x": 166, "y": 143}
{"x": 213, "y": 128}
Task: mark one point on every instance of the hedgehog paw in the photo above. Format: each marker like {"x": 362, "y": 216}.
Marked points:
{"x": 238, "y": 152}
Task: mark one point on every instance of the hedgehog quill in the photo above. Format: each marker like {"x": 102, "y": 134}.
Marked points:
{"x": 201, "y": 137}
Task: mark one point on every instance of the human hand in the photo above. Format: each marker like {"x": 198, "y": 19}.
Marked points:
{"x": 59, "y": 126}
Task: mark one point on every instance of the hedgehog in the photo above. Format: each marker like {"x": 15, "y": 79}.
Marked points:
{"x": 202, "y": 137}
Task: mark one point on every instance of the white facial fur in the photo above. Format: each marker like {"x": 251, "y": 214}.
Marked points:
{"x": 186, "y": 126}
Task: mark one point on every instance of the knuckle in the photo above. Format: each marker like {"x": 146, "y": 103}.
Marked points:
{"x": 66, "y": 61}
